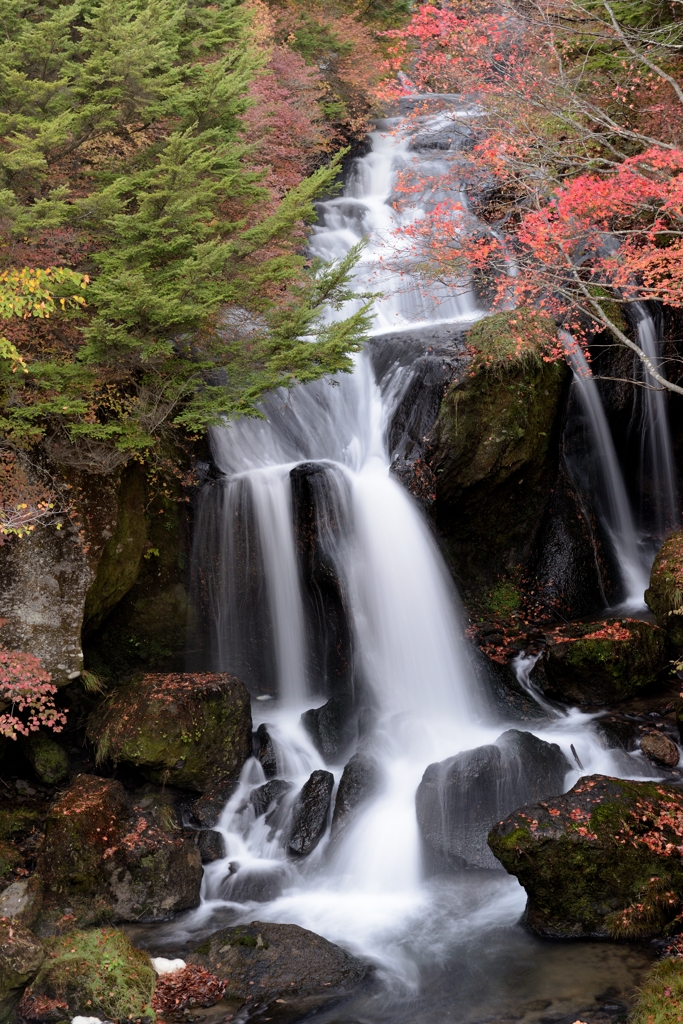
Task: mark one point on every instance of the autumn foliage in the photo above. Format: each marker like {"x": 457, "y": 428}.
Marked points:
{"x": 26, "y": 696}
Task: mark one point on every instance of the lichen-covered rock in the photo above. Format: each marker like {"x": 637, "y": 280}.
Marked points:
{"x": 262, "y": 962}
{"x": 21, "y": 955}
{"x": 104, "y": 860}
{"x": 600, "y": 662}
{"x": 361, "y": 779}
{"x": 90, "y": 974}
{"x": 459, "y": 799}
{"x": 604, "y": 860}
{"x": 191, "y": 730}
{"x": 660, "y": 749}
{"x": 310, "y": 813}
{"x": 48, "y": 759}
{"x": 665, "y": 593}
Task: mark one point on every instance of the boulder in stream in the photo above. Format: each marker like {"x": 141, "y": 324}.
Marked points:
{"x": 185, "y": 729}
{"x": 360, "y": 781}
{"x": 459, "y": 799}
{"x": 333, "y": 727}
{"x": 601, "y": 662}
{"x": 263, "y": 962}
{"x": 104, "y": 860}
{"x": 601, "y": 861}
{"x": 660, "y": 749}
{"x": 269, "y": 795}
{"x": 264, "y": 751}
{"x": 310, "y": 813}
{"x": 211, "y": 846}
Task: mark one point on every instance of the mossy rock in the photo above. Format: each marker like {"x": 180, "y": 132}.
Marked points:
{"x": 105, "y": 860}
{"x": 665, "y": 593}
{"x": 495, "y": 455}
{"x": 600, "y": 662}
{"x": 48, "y": 760}
{"x": 602, "y": 861}
{"x": 661, "y": 996}
{"x": 10, "y": 858}
{"x": 18, "y": 821}
{"x": 21, "y": 955}
{"x": 190, "y": 730}
{"x": 91, "y": 974}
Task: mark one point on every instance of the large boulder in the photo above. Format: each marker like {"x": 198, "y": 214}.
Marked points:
{"x": 361, "y": 779}
{"x": 601, "y": 662}
{"x": 191, "y": 730}
{"x": 310, "y": 813}
{"x": 602, "y": 861}
{"x": 262, "y": 962}
{"x": 665, "y": 593}
{"x": 333, "y": 727}
{"x": 90, "y": 974}
{"x": 458, "y": 800}
{"x": 104, "y": 860}
{"x": 21, "y": 955}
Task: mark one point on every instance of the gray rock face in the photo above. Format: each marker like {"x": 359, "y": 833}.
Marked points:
{"x": 360, "y": 780}
{"x": 331, "y": 727}
{"x": 21, "y": 955}
{"x": 460, "y": 799}
{"x": 309, "y": 816}
{"x": 263, "y": 962}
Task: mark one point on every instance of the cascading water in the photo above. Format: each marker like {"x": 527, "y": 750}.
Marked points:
{"x": 304, "y": 543}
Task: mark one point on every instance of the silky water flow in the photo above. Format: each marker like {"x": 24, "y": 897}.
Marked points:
{"x": 408, "y": 662}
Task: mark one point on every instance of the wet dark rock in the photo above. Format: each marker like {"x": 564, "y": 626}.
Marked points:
{"x": 263, "y": 962}
{"x": 270, "y": 793}
{"x": 21, "y": 955}
{"x": 104, "y": 858}
{"x": 206, "y": 811}
{"x": 360, "y": 781}
{"x": 660, "y": 749}
{"x": 264, "y": 751}
{"x": 48, "y": 759}
{"x": 332, "y": 727}
{"x": 310, "y": 813}
{"x": 186, "y": 729}
{"x": 458, "y": 800}
{"x": 260, "y": 883}
{"x": 211, "y": 846}
{"x": 601, "y": 861}
{"x": 617, "y": 733}
{"x": 600, "y": 662}
{"x": 319, "y": 507}
{"x": 509, "y": 698}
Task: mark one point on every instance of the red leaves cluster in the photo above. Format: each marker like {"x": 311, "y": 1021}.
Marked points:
{"x": 191, "y": 986}
{"x": 27, "y": 688}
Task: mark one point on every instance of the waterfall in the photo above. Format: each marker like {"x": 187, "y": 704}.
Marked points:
{"x": 315, "y": 577}
{"x": 657, "y": 476}
{"x": 609, "y": 489}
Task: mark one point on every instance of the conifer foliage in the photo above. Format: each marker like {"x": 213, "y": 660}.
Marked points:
{"x": 128, "y": 163}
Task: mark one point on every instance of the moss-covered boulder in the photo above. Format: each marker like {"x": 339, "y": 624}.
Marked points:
{"x": 48, "y": 759}
{"x": 660, "y": 1000}
{"x": 665, "y": 593}
{"x": 21, "y": 955}
{"x": 597, "y": 662}
{"x": 90, "y": 974}
{"x": 103, "y": 860}
{"x": 191, "y": 730}
{"x": 263, "y": 962}
{"x": 604, "y": 860}
{"x": 495, "y": 448}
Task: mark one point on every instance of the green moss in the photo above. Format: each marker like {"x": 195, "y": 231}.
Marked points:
{"x": 661, "y": 996}
{"x": 665, "y": 593}
{"x": 503, "y": 599}
{"x": 48, "y": 759}
{"x": 514, "y": 336}
{"x": 97, "y": 974}
{"x": 18, "y": 821}
{"x": 10, "y": 858}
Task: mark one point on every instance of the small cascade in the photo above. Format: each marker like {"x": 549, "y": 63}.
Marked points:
{"x": 604, "y": 481}
{"x": 657, "y": 477}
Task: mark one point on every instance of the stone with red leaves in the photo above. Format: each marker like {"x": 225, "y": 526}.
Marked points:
{"x": 190, "y": 986}
{"x": 186, "y": 729}
{"x": 602, "y": 861}
{"x": 21, "y": 955}
{"x": 103, "y": 859}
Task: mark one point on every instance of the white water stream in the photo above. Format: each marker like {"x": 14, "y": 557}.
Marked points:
{"x": 408, "y": 654}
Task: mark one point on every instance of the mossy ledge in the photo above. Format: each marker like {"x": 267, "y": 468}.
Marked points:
{"x": 602, "y": 861}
